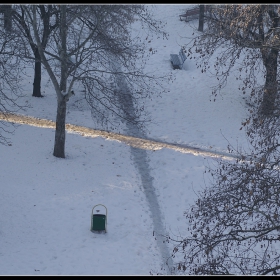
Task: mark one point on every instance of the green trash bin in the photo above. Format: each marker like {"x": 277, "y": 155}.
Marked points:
{"x": 98, "y": 221}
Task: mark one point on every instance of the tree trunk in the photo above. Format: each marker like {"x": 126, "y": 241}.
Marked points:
{"x": 8, "y": 17}
{"x": 270, "y": 87}
{"x": 201, "y": 18}
{"x": 37, "y": 75}
{"x": 63, "y": 55}
{"x": 59, "y": 143}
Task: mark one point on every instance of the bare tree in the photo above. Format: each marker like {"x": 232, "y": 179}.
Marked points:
{"x": 49, "y": 22}
{"x": 11, "y": 75}
{"x": 245, "y": 38}
{"x": 80, "y": 52}
{"x": 234, "y": 226}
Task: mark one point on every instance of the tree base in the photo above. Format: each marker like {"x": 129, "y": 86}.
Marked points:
{"x": 37, "y": 95}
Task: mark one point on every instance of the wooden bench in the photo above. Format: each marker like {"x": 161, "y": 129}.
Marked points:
{"x": 177, "y": 61}
{"x": 190, "y": 14}
{"x": 194, "y": 13}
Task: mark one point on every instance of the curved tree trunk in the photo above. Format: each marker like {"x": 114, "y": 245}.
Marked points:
{"x": 270, "y": 87}
{"x": 37, "y": 75}
{"x": 59, "y": 143}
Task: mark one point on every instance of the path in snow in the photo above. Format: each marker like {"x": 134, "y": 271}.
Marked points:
{"x": 141, "y": 163}
{"x": 133, "y": 141}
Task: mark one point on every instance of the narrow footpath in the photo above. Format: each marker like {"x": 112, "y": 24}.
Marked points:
{"x": 133, "y": 141}
{"x": 141, "y": 162}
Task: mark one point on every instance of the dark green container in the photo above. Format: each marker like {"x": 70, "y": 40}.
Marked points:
{"x": 98, "y": 221}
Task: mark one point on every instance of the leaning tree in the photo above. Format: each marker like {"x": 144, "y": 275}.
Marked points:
{"x": 84, "y": 50}
{"x": 244, "y": 38}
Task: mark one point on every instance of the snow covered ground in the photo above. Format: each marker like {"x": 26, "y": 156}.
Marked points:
{"x": 46, "y": 202}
